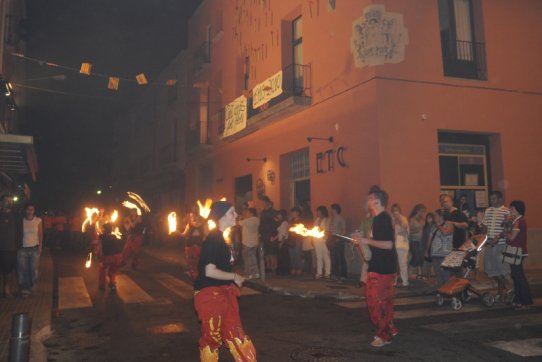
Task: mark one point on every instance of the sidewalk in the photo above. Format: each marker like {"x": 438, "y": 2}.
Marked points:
{"x": 39, "y": 307}
{"x": 307, "y": 287}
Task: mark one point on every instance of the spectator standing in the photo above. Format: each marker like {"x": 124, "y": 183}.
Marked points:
{"x": 495, "y": 218}
{"x": 455, "y": 219}
{"x": 401, "y": 228}
{"x": 337, "y": 245}
{"x": 382, "y": 269}
{"x": 518, "y": 237}
{"x": 323, "y": 260}
{"x": 110, "y": 259}
{"x": 11, "y": 236}
{"x": 416, "y": 223}
{"x": 28, "y": 256}
{"x": 426, "y": 241}
{"x": 464, "y": 206}
{"x": 134, "y": 241}
{"x": 249, "y": 239}
{"x": 307, "y": 246}
{"x": 283, "y": 256}
{"x": 268, "y": 230}
{"x": 216, "y": 291}
{"x": 440, "y": 245}
{"x": 365, "y": 252}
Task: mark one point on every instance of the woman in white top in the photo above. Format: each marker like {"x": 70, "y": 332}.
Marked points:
{"x": 323, "y": 260}
{"x": 28, "y": 256}
{"x": 402, "y": 231}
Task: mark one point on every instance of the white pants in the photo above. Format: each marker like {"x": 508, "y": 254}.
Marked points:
{"x": 322, "y": 258}
{"x": 402, "y": 259}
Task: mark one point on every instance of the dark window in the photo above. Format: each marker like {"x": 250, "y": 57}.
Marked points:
{"x": 463, "y": 48}
{"x": 297, "y": 43}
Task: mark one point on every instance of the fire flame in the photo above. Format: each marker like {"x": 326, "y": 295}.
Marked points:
{"x": 131, "y": 205}
{"x": 211, "y": 224}
{"x": 302, "y": 230}
{"x": 116, "y": 232}
{"x": 89, "y": 260}
{"x": 172, "y": 222}
{"x": 139, "y": 200}
{"x": 88, "y": 221}
{"x": 205, "y": 210}
{"x": 114, "y": 216}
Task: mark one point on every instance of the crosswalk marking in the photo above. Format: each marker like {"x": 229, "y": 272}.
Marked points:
{"x": 175, "y": 285}
{"x": 525, "y": 348}
{"x": 130, "y": 292}
{"x": 72, "y": 293}
{"x": 513, "y": 321}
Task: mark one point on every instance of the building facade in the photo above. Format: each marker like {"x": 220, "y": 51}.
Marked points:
{"x": 318, "y": 100}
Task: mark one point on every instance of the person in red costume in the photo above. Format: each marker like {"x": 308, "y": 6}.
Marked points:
{"x": 216, "y": 291}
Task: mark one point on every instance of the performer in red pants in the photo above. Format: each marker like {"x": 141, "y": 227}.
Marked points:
{"x": 216, "y": 292}
{"x": 132, "y": 248}
{"x": 111, "y": 258}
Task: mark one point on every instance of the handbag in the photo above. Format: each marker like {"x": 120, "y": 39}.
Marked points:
{"x": 512, "y": 255}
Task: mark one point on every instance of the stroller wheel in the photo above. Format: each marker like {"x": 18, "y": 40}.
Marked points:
{"x": 457, "y": 304}
{"x": 488, "y": 299}
{"x": 440, "y": 300}
{"x": 466, "y": 295}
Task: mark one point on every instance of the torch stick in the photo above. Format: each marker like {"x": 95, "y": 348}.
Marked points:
{"x": 357, "y": 245}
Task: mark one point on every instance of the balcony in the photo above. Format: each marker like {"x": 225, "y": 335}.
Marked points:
{"x": 464, "y": 59}
{"x": 295, "y": 97}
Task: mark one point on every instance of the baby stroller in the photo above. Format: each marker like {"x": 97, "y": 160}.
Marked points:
{"x": 459, "y": 289}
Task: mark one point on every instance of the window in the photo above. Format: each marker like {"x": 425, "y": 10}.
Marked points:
{"x": 463, "y": 49}
{"x": 204, "y": 130}
{"x": 243, "y": 190}
{"x": 297, "y": 43}
{"x": 300, "y": 176}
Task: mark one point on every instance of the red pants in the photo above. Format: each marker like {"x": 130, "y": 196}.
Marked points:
{"x": 218, "y": 312}
{"x": 111, "y": 264}
{"x": 379, "y": 294}
{"x": 133, "y": 248}
{"x": 191, "y": 254}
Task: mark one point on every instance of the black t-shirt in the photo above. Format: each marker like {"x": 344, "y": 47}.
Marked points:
{"x": 213, "y": 251}
{"x": 11, "y": 231}
{"x": 459, "y": 234}
{"x": 111, "y": 245}
{"x": 383, "y": 261}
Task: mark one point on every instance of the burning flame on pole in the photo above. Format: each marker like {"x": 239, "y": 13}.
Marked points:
{"x": 172, "y": 222}
{"x": 88, "y": 221}
{"x": 88, "y": 263}
{"x": 114, "y": 216}
{"x": 116, "y": 232}
{"x": 204, "y": 210}
{"x": 131, "y": 205}
{"x": 139, "y": 200}
{"x": 302, "y": 230}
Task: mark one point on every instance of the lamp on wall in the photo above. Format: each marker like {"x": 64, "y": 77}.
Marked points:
{"x": 329, "y": 139}
{"x": 263, "y": 159}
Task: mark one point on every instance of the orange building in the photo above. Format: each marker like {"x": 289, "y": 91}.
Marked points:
{"x": 318, "y": 100}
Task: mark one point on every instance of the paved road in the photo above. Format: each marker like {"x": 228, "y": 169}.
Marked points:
{"x": 151, "y": 318}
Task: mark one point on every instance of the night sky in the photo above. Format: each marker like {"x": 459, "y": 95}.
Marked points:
{"x": 71, "y": 119}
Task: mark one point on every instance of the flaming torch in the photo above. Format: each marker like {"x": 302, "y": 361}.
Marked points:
{"x": 131, "y": 205}
{"x": 88, "y": 263}
{"x": 172, "y": 222}
{"x": 114, "y": 216}
{"x": 88, "y": 221}
{"x": 316, "y": 232}
{"x": 139, "y": 200}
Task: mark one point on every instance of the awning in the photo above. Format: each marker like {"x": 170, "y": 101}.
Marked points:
{"x": 17, "y": 155}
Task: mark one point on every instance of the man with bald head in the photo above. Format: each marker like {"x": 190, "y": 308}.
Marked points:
{"x": 456, "y": 219}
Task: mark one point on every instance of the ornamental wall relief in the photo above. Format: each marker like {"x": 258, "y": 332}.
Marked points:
{"x": 378, "y": 37}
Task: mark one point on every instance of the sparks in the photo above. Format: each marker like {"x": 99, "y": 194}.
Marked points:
{"x": 302, "y": 230}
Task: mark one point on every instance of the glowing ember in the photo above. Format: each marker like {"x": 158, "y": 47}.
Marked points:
{"x": 204, "y": 210}
{"x": 88, "y": 221}
{"x": 302, "y": 230}
{"x": 172, "y": 222}
{"x": 89, "y": 260}
{"x": 114, "y": 216}
{"x": 131, "y": 205}
{"x": 139, "y": 200}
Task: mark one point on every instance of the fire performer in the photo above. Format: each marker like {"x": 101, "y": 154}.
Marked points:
{"x": 111, "y": 258}
{"x": 134, "y": 239}
{"x": 193, "y": 233}
{"x": 216, "y": 291}
{"x": 382, "y": 269}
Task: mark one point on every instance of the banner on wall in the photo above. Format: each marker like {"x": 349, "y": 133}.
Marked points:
{"x": 267, "y": 90}
{"x": 235, "y": 116}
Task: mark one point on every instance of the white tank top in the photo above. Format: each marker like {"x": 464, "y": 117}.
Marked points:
{"x": 30, "y": 232}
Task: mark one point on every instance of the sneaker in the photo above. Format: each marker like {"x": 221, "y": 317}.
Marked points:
{"x": 379, "y": 342}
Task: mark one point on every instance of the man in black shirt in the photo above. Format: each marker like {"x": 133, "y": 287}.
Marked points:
{"x": 382, "y": 269}
{"x": 456, "y": 219}
{"x": 11, "y": 239}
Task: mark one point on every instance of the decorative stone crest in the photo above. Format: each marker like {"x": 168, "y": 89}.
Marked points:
{"x": 378, "y": 37}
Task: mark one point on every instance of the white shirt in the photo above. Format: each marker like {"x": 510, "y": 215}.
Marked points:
{"x": 30, "y": 232}
{"x": 250, "y": 231}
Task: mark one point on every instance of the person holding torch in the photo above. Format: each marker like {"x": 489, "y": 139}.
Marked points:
{"x": 382, "y": 268}
{"x": 217, "y": 288}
